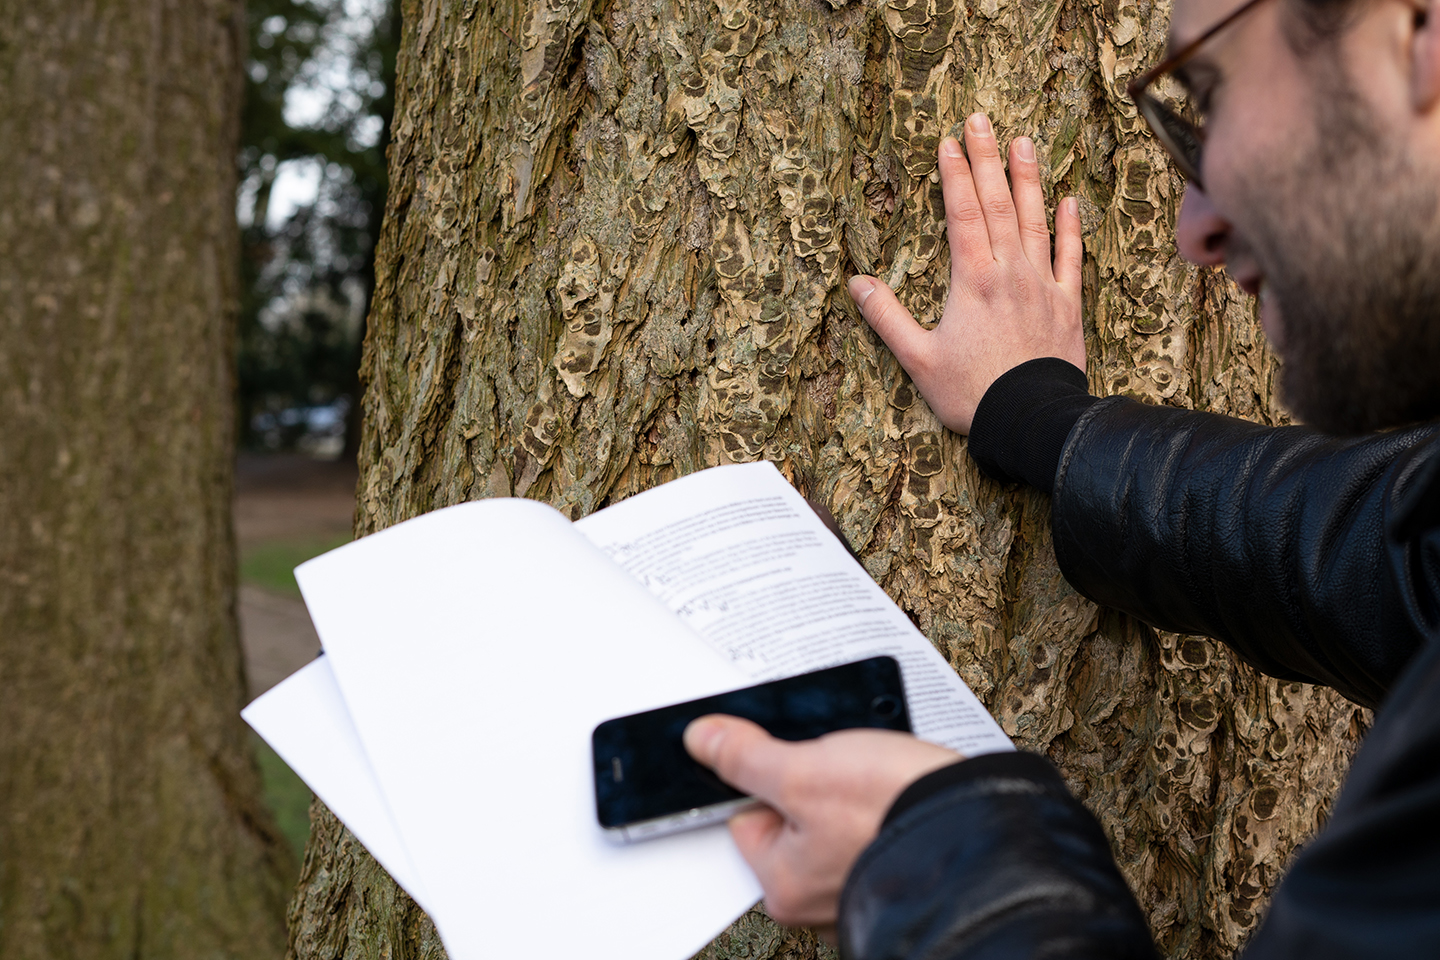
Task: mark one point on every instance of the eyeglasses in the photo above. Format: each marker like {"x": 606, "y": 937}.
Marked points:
{"x": 1181, "y": 137}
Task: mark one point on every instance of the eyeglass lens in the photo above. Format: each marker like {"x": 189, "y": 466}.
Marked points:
{"x": 1176, "y": 134}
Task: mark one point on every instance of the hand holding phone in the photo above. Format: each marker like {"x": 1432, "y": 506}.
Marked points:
{"x": 647, "y": 785}
{"x": 823, "y": 802}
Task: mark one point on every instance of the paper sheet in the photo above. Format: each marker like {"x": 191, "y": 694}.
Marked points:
{"x": 305, "y": 721}
{"x": 471, "y": 651}
{"x": 471, "y": 658}
{"x": 739, "y": 555}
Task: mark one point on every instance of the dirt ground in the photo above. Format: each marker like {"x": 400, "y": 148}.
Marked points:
{"x": 284, "y": 499}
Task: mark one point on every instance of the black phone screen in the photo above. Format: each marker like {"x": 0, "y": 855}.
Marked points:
{"x": 643, "y": 772}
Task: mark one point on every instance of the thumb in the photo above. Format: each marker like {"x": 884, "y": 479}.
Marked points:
{"x": 889, "y": 318}
{"x": 741, "y": 752}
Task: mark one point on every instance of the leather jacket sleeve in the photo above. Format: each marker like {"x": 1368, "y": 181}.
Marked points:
{"x": 1295, "y": 548}
{"x": 997, "y": 860}
{"x": 1317, "y": 559}
{"x": 993, "y": 858}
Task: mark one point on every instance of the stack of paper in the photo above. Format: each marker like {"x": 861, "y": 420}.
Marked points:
{"x": 471, "y": 651}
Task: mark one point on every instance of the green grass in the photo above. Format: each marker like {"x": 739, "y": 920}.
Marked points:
{"x": 270, "y": 564}
{"x": 286, "y": 795}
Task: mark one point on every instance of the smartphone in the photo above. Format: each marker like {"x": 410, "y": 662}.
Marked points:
{"x": 646, "y": 785}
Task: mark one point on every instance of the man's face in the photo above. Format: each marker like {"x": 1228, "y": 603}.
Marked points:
{"x": 1316, "y": 201}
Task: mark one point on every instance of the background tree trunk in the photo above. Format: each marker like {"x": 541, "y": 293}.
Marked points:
{"x": 614, "y": 254}
{"x": 130, "y": 815}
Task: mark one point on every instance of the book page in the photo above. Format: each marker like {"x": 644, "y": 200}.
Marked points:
{"x": 745, "y": 562}
{"x": 476, "y": 648}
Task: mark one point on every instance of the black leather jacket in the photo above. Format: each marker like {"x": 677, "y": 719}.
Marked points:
{"x": 1315, "y": 558}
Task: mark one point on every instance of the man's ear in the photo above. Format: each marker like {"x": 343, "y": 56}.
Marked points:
{"x": 1425, "y": 68}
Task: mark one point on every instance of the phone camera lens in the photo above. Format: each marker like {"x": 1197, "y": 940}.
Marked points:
{"x": 885, "y": 707}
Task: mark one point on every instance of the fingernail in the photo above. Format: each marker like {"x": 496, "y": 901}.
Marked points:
{"x": 951, "y": 146}
{"x": 860, "y": 289}
{"x": 702, "y": 737}
{"x": 979, "y": 124}
{"x": 1025, "y": 149}
{"x": 1072, "y": 206}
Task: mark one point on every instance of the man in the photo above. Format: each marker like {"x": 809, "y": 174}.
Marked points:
{"x": 1316, "y": 182}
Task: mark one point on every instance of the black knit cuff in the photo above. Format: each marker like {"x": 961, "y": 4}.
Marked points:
{"x": 1022, "y": 422}
{"x": 1012, "y": 766}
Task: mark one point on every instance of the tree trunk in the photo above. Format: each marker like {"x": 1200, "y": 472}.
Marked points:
{"x": 614, "y": 253}
{"x": 130, "y": 818}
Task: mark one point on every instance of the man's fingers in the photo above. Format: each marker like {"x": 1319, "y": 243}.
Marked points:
{"x": 740, "y": 752}
{"x": 1030, "y": 205}
{"x": 755, "y": 832}
{"x": 964, "y": 221}
{"x": 992, "y": 188}
{"x": 1069, "y": 249}
{"x": 889, "y": 318}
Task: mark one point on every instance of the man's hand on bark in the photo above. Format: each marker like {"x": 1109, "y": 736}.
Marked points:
{"x": 824, "y": 801}
{"x": 1007, "y": 304}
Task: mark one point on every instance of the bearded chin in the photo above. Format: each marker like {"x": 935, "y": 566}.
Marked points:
{"x": 1348, "y": 235}
{"x": 1362, "y": 340}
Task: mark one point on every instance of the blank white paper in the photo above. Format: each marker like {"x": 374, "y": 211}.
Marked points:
{"x": 476, "y": 648}
{"x": 304, "y": 720}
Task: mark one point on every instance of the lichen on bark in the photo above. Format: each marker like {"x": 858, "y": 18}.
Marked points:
{"x": 615, "y": 253}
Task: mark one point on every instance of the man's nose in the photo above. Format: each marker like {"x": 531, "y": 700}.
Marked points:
{"x": 1201, "y": 233}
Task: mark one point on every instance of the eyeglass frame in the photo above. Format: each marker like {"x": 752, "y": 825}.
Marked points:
{"x": 1182, "y": 139}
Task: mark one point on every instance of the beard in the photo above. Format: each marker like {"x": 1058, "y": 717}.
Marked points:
{"x": 1349, "y": 241}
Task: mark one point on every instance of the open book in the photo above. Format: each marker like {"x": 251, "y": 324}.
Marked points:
{"x": 471, "y": 651}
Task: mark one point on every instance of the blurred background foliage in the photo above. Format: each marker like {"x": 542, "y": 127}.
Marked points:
{"x": 318, "y": 104}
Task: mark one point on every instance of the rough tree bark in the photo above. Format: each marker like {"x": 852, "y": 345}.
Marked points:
{"x": 130, "y": 816}
{"x": 614, "y": 253}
